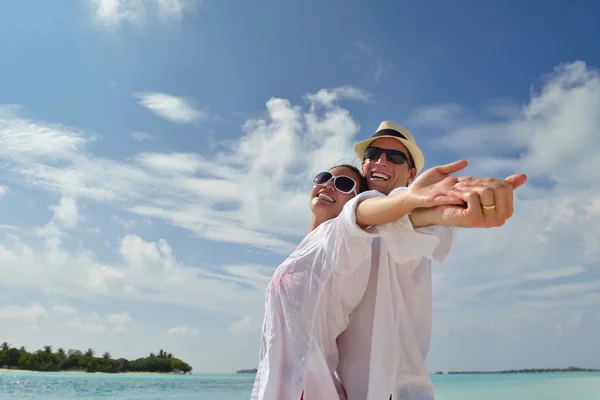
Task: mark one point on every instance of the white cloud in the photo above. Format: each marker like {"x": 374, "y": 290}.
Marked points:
{"x": 31, "y": 314}
{"x": 183, "y": 330}
{"x": 178, "y": 163}
{"x": 122, "y": 318}
{"x": 172, "y": 108}
{"x": 220, "y": 201}
{"x": 530, "y": 284}
{"x": 140, "y": 136}
{"x": 3, "y": 191}
{"x": 112, "y": 13}
{"x": 245, "y": 326}
{"x": 534, "y": 275}
{"x": 64, "y": 310}
{"x": 65, "y": 212}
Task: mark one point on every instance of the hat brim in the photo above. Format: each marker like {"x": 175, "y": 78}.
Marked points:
{"x": 413, "y": 149}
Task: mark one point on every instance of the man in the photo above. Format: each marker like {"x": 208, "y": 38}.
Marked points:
{"x": 383, "y": 351}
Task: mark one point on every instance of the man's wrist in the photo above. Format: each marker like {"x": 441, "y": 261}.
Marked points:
{"x": 422, "y": 217}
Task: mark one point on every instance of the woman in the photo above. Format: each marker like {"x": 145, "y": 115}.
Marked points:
{"x": 313, "y": 292}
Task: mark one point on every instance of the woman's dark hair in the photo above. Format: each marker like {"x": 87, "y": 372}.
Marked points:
{"x": 362, "y": 182}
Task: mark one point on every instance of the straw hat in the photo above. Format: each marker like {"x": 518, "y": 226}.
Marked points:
{"x": 395, "y": 131}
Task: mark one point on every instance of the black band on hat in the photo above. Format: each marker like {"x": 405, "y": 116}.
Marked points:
{"x": 389, "y": 132}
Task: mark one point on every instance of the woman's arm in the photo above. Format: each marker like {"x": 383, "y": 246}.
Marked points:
{"x": 383, "y": 209}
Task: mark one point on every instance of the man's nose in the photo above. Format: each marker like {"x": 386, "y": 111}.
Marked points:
{"x": 382, "y": 159}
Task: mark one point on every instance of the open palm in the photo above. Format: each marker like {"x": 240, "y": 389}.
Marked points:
{"x": 434, "y": 187}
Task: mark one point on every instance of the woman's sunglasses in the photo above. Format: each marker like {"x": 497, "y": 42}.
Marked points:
{"x": 395, "y": 156}
{"x": 342, "y": 183}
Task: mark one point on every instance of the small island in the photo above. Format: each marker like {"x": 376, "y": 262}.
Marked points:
{"x": 525, "y": 371}
{"x": 75, "y": 360}
{"x": 247, "y": 371}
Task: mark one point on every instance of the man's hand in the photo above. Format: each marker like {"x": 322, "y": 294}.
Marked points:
{"x": 489, "y": 203}
{"x": 435, "y": 187}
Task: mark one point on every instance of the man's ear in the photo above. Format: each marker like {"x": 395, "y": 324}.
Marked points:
{"x": 362, "y": 167}
{"x": 411, "y": 176}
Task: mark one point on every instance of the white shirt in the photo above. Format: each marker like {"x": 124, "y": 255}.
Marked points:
{"x": 308, "y": 305}
{"x": 384, "y": 349}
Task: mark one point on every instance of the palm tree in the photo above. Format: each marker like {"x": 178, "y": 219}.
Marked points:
{"x": 4, "y": 346}
{"x": 161, "y": 353}
{"x": 90, "y": 352}
{"x": 106, "y": 355}
{"x": 48, "y": 349}
{"x": 61, "y": 353}
{"x": 23, "y": 349}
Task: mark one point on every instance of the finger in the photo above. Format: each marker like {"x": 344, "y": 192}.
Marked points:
{"x": 501, "y": 196}
{"x": 488, "y": 198}
{"x": 449, "y": 200}
{"x": 517, "y": 180}
{"x": 474, "y": 214}
{"x": 469, "y": 181}
{"x": 474, "y": 210}
{"x": 452, "y": 167}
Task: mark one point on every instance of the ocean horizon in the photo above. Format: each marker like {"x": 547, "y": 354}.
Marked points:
{"x": 15, "y": 384}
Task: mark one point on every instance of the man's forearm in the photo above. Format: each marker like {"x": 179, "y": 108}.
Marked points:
{"x": 383, "y": 209}
{"x": 423, "y": 217}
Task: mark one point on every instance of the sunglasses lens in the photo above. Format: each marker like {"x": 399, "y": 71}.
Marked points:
{"x": 373, "y": 153}
{"x": 344, "y": 184}
{"x": 397, "y": 158}
{"x": 322, "y": 178}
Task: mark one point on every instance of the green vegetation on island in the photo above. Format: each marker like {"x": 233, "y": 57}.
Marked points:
{"x": 247, "y": 371}
{"x": 75, "y": 360}
{"x": 525, "y": 371}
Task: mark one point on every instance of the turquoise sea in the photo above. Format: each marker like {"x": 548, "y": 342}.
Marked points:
{"x": 72, "y": 386}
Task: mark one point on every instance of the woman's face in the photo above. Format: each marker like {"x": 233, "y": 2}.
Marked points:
{"x": 326, "y": 201}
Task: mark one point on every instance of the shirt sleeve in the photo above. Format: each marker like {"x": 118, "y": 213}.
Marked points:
{"x": 347, "y": 245}
{"x": 404, "y": 242}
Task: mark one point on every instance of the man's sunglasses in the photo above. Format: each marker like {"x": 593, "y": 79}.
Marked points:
{"x": 342, "y": 183}
{"x": 395, "y": 156}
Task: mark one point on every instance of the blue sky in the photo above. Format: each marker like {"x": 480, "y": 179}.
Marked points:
{"x": 156, "y": 159}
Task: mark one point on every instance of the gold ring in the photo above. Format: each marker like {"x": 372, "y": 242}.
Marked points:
{"x": 488, "y": 207}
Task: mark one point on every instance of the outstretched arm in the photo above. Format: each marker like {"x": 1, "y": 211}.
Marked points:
{"x": 489, "y": 203}
{"x": 433, "y": 188}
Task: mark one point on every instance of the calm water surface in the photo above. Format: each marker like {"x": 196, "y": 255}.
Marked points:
{"x": 72, "y": 386}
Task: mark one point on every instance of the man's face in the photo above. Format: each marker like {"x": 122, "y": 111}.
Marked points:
{"x": 383, "y": 175}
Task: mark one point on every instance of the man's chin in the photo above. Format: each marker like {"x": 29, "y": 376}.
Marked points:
{"x": 380, "y": 186}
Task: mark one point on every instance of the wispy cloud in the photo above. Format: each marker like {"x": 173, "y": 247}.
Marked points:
{"x": 497, "y": 286}
{"x": 503, "y": 283}
{"x": 3, "y": 191}
{"x": 183, "y": 330}
{"x": 196, "y": 192}
{"x": 111, "y": 14}
{"x": 31, "y": 314}
{"x": 172, "y": 108}
{"x": 378, "y": 66}
{"x": 140, "y": 136}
